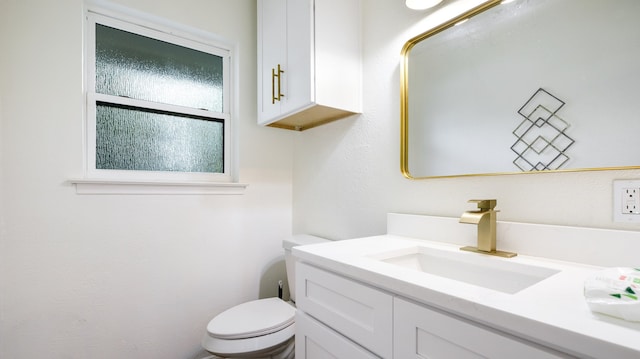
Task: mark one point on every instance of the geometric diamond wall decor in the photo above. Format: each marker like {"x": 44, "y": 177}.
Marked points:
{"x": 542, "y": 142}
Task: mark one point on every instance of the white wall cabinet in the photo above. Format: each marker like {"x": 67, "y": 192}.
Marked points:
{"x": 342, "y": 318}
{"x": 309, "y": 62}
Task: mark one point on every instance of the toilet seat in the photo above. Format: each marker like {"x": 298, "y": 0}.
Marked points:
{"x": 251, "y": 327}
{"x": 252, "y": 319}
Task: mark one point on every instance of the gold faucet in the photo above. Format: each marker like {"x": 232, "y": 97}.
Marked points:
{"x": 485, "y": 218}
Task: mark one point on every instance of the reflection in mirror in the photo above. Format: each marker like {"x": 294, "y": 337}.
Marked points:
{"x": 526, "y": 86}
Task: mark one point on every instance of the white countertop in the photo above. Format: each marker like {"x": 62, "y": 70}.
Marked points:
{"x": 552, "y": 312}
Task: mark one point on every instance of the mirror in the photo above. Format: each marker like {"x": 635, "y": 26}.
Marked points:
{"x": 523, "y": 87}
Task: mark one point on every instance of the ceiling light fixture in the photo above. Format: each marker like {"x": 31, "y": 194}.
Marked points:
{"x": 421, "y": 4}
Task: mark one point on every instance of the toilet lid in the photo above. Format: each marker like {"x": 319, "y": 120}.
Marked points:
{"x": 252, "y": 319}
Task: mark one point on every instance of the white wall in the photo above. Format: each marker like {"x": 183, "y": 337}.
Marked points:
{"x": 347, "y": 173}
{"x": 91, "y": 276}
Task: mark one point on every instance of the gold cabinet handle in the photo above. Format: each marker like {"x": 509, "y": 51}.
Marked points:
{"x": 280, "y": 72}
{"x": 273, "y": 86}
{"x": 280, "y": 95}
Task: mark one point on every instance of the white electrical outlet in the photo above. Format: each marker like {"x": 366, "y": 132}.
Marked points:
{"x": 626, "y": 201}
{"x": 630, "y": 201}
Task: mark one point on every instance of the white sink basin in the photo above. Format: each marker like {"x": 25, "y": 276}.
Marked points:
{"x": 495, "y": 273}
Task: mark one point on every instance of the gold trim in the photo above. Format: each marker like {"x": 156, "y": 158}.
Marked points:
{"x": 496, "y": 253}
{"x": 404, "y": 102}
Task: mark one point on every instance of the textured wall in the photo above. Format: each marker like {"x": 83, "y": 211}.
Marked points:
{"x": 347, "y": 176}
{"x": 111, "y": 276}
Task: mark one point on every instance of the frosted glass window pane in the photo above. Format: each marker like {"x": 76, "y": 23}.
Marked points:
{"x": 142, "y": 140}
{"x": 143, "y": 68}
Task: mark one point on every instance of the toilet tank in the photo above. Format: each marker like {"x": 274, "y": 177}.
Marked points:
{"x": 287, "y": 244}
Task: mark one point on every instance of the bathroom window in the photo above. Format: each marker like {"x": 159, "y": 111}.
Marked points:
{"x": 158, "y": 102}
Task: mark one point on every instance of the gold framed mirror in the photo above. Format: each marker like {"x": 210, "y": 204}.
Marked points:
{"x": 524, "y": 87}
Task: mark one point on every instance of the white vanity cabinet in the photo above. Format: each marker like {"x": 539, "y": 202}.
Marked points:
{"x": 342, "y": 318}
{"x": 309, "y": 62}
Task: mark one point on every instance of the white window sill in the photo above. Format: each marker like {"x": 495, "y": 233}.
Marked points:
{"x": 109, "y": 186}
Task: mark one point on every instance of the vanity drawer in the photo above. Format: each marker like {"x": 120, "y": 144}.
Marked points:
{"x": 421, "y": 332}
{"x": 316, "y": 341}
{"x": 357, "y": 311}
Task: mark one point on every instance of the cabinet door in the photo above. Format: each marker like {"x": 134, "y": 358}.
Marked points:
{"x": 420, "y": 332}
{"x": 272, "y": 27}
{"x": 316, "y": 341}
{"x": 298, "y": 78}
{"x": 355, "y": 310}
{"x": 285, "y": 42}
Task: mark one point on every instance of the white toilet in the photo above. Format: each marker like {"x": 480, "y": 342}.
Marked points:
{"x": 262, "y": 328}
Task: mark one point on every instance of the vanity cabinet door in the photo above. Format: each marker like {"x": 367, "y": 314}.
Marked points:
{"x": 421, "y": 332}
{"x": 316, "y": 341}
{"x": 358, "y": 312}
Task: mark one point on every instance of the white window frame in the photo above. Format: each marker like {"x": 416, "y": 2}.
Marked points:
{"x": 128, "y": 181}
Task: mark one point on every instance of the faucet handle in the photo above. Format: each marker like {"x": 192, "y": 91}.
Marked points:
{"x": 485, "y": 204}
